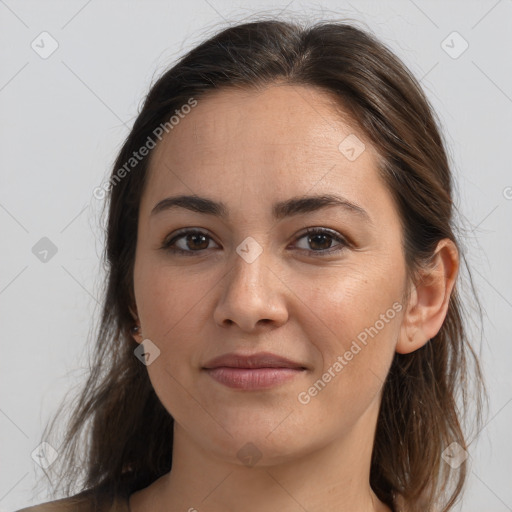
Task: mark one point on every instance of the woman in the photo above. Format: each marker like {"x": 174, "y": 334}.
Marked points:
{"x": 282, "y": 326}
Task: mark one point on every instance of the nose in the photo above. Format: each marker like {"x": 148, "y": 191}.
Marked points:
{"x": 252, "y": 296}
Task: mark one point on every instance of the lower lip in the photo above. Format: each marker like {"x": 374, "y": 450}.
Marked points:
{"x": 256, "y": 378}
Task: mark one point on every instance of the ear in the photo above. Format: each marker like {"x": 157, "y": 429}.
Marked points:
{"x": 136, "y": 335}
{"x": 429, "y": 299}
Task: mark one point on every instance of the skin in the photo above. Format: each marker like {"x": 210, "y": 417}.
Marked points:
{"x": 250, "y": 149}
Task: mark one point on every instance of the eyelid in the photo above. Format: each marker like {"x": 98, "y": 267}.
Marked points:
{"x": 338, "y": 237}
{"x": 175, "y": 236}
{"x": 343, "y": 241}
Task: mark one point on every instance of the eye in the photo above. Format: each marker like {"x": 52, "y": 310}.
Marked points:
{"x": 321, "y": 240}
{"x": 187, "y": 242}
{"x": 193, "y": 241}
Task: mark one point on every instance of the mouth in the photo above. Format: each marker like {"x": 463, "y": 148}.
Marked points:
{"x": 253, "y": 372}
{"x": 252, "y": 378}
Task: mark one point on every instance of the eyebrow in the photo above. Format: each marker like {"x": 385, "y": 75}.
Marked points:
{"x": 290, "y": 207}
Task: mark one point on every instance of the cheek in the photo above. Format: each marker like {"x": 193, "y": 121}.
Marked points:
{"x": 356, "y": 356}
{"x": 168, "y": 297}
{"x": 169, "y": 307}
{"x": 354, "y": 315}
{"x": 173, "y": 308}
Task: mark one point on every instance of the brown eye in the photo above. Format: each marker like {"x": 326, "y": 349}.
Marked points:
{"x": 318, "y": 242}
{"x": 188, "y": 242}
{"x": 196, "y": 241}
{"x": 321, "y": 241}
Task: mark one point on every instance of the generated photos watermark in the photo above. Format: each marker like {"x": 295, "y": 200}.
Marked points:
{"x": 335, "y": 369}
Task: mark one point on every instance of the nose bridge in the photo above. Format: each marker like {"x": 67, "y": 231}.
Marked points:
{"x": 251, "y": 289}
{"x": 251, "y": 264}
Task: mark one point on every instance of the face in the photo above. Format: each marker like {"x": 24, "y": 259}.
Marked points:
{"x": 248, "y": 278}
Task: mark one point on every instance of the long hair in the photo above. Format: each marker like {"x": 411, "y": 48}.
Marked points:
{"x": 119, "y": 437}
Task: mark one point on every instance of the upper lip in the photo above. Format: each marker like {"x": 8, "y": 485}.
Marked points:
{"x": 259, "y": 360}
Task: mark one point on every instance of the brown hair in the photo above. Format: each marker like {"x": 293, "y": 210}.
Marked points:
{"x": 126, "y": 432}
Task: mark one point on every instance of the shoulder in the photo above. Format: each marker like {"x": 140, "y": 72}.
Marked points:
{"x": 86, "y": 501}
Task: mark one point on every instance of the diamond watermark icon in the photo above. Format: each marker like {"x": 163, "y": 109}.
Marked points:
{"x": 44, "y": 250}
{"x": 454, "y": 45}
{"x": 44, "y": 455}
{"x": 249, "y": 249}
{"x": 249, "y": 454}
{"x": 351, "y": 147}
{"x": 454, "y": 455}
{"x": 44, "y": 45}
{"x": 147, "y": 352}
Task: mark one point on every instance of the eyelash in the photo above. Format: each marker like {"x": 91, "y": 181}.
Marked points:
{"x": 167, "y": 245}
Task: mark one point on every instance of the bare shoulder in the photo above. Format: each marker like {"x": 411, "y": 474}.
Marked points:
{"x": 83, "y": 502}
{"x": 78, "y": 503}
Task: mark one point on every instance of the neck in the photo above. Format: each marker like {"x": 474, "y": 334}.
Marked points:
{"x": 334, "y": 477}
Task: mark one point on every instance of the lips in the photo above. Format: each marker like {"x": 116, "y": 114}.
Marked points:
{"x": 259, "y": 360}
{"x": 252, "y": 372}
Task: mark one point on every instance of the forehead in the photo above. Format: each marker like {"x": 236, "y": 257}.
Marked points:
{"x": 281, "y": 141}
{"x": 289, "y": 119}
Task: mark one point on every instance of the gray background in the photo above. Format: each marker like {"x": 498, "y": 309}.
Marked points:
{"x": 65, "y": 116}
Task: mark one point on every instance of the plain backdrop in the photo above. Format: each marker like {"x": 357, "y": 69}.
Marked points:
{"x": 72, "y": 76}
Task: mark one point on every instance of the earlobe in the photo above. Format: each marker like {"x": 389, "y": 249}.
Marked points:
{"x": 136, "y": 334}
{"x": 411, "y": 335}
{"x": 135, "y": 329}
{"x": 429, "y": 299}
